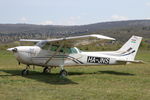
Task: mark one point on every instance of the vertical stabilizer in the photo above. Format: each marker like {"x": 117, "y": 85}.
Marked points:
{"x": 130, "y": 48}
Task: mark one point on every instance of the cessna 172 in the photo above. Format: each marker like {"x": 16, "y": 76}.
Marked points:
{"x": 60, "y": 52}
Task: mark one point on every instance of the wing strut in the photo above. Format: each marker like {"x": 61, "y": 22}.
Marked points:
{"x": 54, "y": 53}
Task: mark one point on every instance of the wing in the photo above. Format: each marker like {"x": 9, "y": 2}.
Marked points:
{"x": 83, "y": 36}
{"x": 71, "y": 38}
{"x": 69, "y": 41}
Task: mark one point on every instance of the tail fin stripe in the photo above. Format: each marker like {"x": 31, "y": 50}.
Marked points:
{"x": 129, "y": 53}
{"x": 127, "y": 50}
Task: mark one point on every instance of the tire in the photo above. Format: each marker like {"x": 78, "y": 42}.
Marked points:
{"x": 46, "y": 70}
{"x": 63, "y": 73}
{"x": 25, "y": 72}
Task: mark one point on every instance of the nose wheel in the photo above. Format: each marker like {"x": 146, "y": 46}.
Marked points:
{"x": 25, "y": 72}
{"x": 46, "y": 70}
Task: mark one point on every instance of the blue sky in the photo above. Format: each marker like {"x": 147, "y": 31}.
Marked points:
{"x": 72, "y": 12}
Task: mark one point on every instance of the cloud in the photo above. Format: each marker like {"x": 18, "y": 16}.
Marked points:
{"x": 75, "y": 17}
{"x": 73, "y": 20}
{"x": 23, "y": 20}
{"x": 118, "y": 17}
{"x": 147, "y": 4}
{"x": 48, "y": 22}
{"x": 148, "y": 18}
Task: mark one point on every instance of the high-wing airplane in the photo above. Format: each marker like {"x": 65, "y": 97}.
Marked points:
{"x": 60, "y": 52}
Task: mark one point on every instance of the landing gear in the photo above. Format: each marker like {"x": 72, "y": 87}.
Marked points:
{"x": 46, "y": 70}
{"x": 25, "y": 71}
{"x": 63, "y": 73}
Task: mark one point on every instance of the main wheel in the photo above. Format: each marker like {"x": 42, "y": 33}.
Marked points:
{"x": 63, "y": 73}
{"x": 25, "y": 72}
{"x": 46, "y": 70}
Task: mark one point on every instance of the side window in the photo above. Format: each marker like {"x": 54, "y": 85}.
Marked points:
{"x": 54, "y": 47}
{"x": 67, "y": 50}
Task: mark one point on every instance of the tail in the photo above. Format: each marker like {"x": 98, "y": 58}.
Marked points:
{"x": 130, "y": 48}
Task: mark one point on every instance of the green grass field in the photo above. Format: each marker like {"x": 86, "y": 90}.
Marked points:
{"x": 121, "y": 82}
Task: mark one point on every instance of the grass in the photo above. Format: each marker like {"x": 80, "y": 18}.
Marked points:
{"x": 117, "y": 82}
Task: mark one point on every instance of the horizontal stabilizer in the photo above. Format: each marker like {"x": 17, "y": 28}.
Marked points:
{"x": 135, "y": 61}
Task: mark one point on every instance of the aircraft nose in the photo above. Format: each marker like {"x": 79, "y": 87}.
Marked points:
{"x": 9, "y": 49}
{"x": 12, "y": 49}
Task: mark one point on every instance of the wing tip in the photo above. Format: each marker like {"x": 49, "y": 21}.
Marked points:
{"x": 102, "y": 37}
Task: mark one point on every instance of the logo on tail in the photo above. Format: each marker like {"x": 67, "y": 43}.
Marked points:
{"x": 133, "y": 40}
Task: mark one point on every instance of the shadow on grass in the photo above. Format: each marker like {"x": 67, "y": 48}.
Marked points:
{"x": 41, "y": 77}
{"x": 115, "y": 73}
{"x": 102, "y": 72}
{"x": 54, "y": 78}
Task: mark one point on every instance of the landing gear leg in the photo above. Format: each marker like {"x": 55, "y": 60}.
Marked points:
{"x": 63, "y": 72}
{"x": 47, "y": 70}
{"x": 25, "y": 71}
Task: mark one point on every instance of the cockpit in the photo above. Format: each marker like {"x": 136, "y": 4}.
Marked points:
{"x": 45, "y": 45}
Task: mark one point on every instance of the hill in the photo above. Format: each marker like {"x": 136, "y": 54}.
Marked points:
{"x": 121, "y": 30}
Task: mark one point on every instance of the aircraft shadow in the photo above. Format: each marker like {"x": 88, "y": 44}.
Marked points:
{"x": 41, "y": 77}
{"x": 102, "y": 72}
{"x": 55, "y": 78}
{"x": 115, "y": 73}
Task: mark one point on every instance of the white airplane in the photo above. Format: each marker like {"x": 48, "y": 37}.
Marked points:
{"x": 60, "y": 52}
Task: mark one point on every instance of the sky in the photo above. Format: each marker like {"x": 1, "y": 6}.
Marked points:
{"x": 72, "y": 12}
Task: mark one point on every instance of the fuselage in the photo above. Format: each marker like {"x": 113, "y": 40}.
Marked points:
{"x": 35, "y": 55}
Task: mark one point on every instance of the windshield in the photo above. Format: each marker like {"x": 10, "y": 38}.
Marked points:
{"x": 41, "y": 43}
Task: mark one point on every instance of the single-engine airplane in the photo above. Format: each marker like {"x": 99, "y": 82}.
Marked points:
{"x": 61, "y": 52}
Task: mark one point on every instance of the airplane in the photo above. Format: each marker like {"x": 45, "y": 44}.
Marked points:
{"x": 61, "y": 52}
